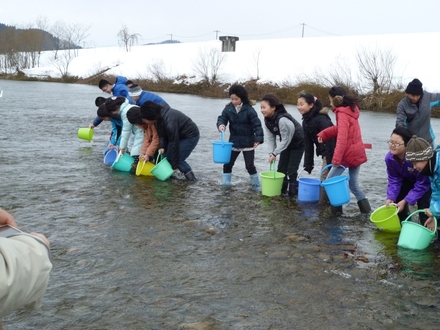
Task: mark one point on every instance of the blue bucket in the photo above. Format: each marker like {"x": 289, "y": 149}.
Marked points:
{"x": 337, "y": 188}
{"x": 110, "y": 157}
{"x": 308, "y": 190}
{"x": 221, "y": 151}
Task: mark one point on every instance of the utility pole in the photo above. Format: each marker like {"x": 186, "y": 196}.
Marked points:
{"x": 171, "y": 35}
{"x": 302, "y": 35}
{"x": 216, "y": 34}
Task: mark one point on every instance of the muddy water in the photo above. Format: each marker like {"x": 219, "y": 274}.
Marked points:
{"x": 136, "y": 253}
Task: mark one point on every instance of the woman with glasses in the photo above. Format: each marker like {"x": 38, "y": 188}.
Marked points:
{"x": 405, "y": 184}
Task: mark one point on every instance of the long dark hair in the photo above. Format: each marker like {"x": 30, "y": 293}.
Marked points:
{"x": 150, "y": 111}
{"x": 310, "y": 99}
{"x": 340, "y": 98}
{"x": 274, "y": 102}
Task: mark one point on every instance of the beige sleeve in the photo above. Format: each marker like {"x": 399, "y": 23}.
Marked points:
{"x": 24, "y": 273}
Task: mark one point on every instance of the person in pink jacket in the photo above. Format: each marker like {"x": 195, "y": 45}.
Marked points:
{"x": 349, "y": 150}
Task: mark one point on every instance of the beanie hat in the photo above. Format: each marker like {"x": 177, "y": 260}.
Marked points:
{"x": 414, "y": 87}
{"x": 135, "y": 90}
{"x": 418, "y": 149}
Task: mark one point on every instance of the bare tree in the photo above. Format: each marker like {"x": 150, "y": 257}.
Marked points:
{"x": 126, "y": 39}
{"x": 256, "y": 62}
{"x": 207, "y": 65}
{"x": 158, "y": 71}
{"x": 376, "y": 69}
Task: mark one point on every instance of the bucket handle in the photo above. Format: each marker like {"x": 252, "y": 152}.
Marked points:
{"x": 420, "y": 211}
{"x": 273, "y": 169}
{"x": 159, "y": 157}
{"x": 118, "y": 156}
{"x": 330, "y": 165}
{"x": 223, "y": 137}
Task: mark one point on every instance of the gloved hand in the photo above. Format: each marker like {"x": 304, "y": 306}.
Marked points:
{"x": 308, "y": 169}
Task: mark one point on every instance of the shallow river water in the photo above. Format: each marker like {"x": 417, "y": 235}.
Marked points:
{"x": 137, "y": 253}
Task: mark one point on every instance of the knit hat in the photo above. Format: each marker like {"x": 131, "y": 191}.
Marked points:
{"x": 414, "y": 87}
{"x": 135, "y": 90}
{"x": 418, "y": 149}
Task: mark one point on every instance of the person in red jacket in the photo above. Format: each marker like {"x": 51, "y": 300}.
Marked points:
{"x": 349, "y": 150}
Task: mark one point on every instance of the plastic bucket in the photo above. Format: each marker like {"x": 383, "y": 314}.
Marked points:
{"x": 163, "y": 169}
{"x": 110, "y": 157}
{"x": 271, "y": 182}
{"x": 123, "y": 162}
{"x": 308, "y": 189}
{"x": 85, "y": 134}
{"x": 414, "y": 236}
{"x": 144, "y": 168}
{"x": 337, "y": 188}
{"x": 221, "y": 151}
{"x": 386, "y": 218}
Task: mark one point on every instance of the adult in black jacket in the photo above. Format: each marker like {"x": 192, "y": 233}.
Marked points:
{"x": 178, "y": 134}
{"x": 315, "y": 119}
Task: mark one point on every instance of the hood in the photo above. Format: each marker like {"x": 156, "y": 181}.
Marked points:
{"x": 120, "y": 80}
{"x": 347, "y": 110}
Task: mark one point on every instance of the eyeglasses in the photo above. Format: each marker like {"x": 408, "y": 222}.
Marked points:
{"x": 395, "y": 144}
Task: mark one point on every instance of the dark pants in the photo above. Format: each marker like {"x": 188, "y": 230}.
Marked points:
{"x": 186, "y": 146}
{"x": 248, "y": 161}
{"x": 289, "y": 162}
{"x": 422, "y": 203}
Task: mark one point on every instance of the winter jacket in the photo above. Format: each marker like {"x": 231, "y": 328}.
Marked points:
{"x": 244, "y": 126}
{"x": 287, "y": 128}
{"x": 120, "y": 89}
{"x": 147, "y": 96}
{"x": 151, "y": 141}
{"x": 399, "y": 171}
{"x": 349, "y": 150}
{"x": 417, "y": 117}
{"x": 434, "y": 206}
{"x": 128, "y": 128}
{"x": 115, "y": 138}
{"x": 171, "y": 128}
{"x": 314, "y": 122}
{"x": 24, "y": 273}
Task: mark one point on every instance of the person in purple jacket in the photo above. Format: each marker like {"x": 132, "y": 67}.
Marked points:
{"x": 405, "y": 184}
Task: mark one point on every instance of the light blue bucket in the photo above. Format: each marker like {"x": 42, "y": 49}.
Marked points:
{"x": 221, "y": 150}
{"x": 337, "y": 188}
{"x": 110, "y": 157}
{"x": 308, "y": 189}
{"x": 123, "y": 162}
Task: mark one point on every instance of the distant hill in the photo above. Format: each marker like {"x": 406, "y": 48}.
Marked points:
{"x": 25, "y": 40}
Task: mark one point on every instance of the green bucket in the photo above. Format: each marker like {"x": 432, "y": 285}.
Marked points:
{"x": 414, "y": 236}
{"x": 123, "y": 162}
{"x": 163, "y": 169}
{"x": 271, "y": 182}
{"x": 386, "y": 218}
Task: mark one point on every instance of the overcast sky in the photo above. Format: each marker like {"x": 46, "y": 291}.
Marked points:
{"x": 197, "y": 20}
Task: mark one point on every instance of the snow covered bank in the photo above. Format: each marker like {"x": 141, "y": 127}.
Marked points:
{"x": 275, "y": 60}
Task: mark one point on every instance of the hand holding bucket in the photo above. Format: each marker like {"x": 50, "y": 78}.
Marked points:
{"x": 271, "y": 182}
{"x": 414, "y": 236}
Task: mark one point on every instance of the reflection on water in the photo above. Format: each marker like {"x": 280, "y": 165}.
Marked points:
{"x": 137, "y": 253}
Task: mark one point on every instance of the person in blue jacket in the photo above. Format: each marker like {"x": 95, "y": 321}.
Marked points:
{"x": 117, "y": 89}
{"x": 427, "y": 162}
{"x": 115, "y": 137}
{"x": 246, "y": 133}
{"x": 140, "y": 96}
{"x": 405, "y": 184}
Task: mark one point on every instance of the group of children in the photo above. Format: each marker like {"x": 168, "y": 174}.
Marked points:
{"x": 411, "y": 161}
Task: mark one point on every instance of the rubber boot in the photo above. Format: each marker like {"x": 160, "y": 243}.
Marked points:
{"x": 255, "y": 181}
{"x": 336, "y": 210}
{"x": 293, "y": 187}
{"x": 323, "y": 198}
{"x": 364, "y": 206}
{"x": 285, "y": 185}
{"x": 226, "y": 180}
{"x": 190, "y": 176}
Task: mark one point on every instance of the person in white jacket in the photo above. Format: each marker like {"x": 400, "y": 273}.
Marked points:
{"x": 24, "y": 269}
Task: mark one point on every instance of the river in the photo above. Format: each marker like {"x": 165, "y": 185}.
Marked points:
{"x": 137, "y": 253}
